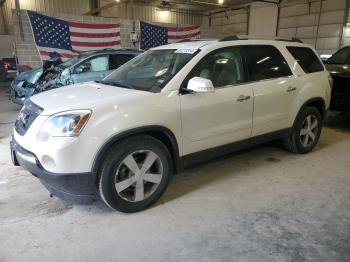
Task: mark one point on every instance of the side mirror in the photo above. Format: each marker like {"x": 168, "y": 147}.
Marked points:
{"x": 79, "y": 69}
{"x": 200, "y": 85}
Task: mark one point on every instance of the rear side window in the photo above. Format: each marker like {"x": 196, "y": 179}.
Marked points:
{"x": 265, "y": 62}
{"x": 306, "y": 58}
{"x": 119, "y": 59}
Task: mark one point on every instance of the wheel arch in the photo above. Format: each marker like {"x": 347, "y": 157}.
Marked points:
{"x": 161, "y": 133}
{"x": 317, "y": 102}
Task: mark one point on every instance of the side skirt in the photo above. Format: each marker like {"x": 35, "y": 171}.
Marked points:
{"x": 198, "y": 157}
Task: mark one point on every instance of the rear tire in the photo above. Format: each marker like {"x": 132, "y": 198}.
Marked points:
{"x": 305, "y": 132}
{"x": 135, "y": 173}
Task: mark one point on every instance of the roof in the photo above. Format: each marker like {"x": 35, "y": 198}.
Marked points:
{"x": 109, "y": 51}
{"x": 199, "y": 44}
{"x": 186, "y": 45}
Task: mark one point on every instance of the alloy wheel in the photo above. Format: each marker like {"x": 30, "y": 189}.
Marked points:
{"x": 138, "y": 175}
{"x": 309, "y": 130}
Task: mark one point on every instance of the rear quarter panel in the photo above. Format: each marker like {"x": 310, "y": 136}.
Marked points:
{"x": 309, "y": 86}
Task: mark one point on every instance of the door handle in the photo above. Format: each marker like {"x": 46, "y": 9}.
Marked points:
{"x": 242, "y": 98}
{"x": 291, "y": 88}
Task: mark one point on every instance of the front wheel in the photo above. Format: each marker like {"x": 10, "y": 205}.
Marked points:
{"x": 306, "y": 131}
{"x": 135, "y": 174}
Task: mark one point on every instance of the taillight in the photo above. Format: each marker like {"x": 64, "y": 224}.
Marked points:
{"x": 330, "y": 80}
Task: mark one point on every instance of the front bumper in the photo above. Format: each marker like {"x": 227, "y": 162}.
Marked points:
{"x": 73, "y": 188}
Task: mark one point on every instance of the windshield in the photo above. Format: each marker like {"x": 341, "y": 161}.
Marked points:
{"x": 150, "y": 71}
{"x": 72, "y": 61}
{"x": 341, "y": 57}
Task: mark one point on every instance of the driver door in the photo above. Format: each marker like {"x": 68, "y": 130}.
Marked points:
{"x": 95, "y": 68}
{"x": 223, "y": 116}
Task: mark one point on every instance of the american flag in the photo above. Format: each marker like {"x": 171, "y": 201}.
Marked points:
{"x": 71, "y": 38}
{"x": 154, "y": 35}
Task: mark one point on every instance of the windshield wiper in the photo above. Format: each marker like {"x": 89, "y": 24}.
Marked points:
{"x": 116, "y": 83}
{"x": 122, "y": 84}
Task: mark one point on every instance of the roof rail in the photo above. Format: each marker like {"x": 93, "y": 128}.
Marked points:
{"x": 238, "y": 37}
{"x": 230, "y": 38}
{"x": 195, "y": 40}
{"x": 293, "y": 39}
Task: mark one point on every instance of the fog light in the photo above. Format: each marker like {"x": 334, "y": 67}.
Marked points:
{"x": 48, "y": 162}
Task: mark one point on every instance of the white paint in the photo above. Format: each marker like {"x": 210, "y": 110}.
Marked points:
{"x": 198, "y": 121}
{"x": 4, "y": 182}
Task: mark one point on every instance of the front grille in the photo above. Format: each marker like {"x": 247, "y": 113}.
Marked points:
{"x": 26, "y": 116}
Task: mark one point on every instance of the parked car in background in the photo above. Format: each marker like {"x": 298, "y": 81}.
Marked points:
{"x": 86, "y": 67}
{"x": 8, "y": 68}
{"x": 121, "y": 139}
{"x": 338, "y": 66}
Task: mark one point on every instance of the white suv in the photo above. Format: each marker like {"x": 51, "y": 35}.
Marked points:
{"x": 122, "y": 139}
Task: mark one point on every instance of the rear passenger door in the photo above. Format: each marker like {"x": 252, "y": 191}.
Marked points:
{"x": 273, "y": 85}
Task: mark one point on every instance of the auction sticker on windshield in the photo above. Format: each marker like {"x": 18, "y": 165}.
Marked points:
{"x": 186, "y": 51}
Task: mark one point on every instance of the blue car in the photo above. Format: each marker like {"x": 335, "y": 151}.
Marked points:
{"x": 89, "y": 66}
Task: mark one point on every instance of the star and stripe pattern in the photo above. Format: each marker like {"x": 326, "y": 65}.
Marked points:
{"x": 155, "y": 35}
{"x": 71, "y": 38}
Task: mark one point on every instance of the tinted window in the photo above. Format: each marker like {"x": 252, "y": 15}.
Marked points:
{"x": 223, "y": 67}
{"x": 341, "y": 57}
{"x": 265, "y": 62}
{"x": 118, "y": 60}
{"x": 306, "y": 58}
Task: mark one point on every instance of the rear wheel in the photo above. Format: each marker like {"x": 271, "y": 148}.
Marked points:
{"x": 135, "y": 174}
{"x": 306, "y": 131}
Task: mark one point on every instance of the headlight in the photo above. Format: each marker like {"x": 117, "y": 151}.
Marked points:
{"x": 69, "y": 123}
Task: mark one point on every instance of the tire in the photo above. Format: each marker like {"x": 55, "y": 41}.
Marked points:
{"x": 127, "y": 187}
{"x": 297, "y": 142}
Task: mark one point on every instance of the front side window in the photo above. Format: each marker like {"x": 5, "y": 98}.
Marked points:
{"x": 152, "y": 70}
{"x": 96, "y": 64}
{"x": 74, "y": 60}
{"x": 306, "y": 58}
{"x": 265, "y": 62}
{"x": 224, "y": 67}
{"x": 341, "y": 57}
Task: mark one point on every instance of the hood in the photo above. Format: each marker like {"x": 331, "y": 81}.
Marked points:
{"x": 30, "y": 76}
{"x": 89, "y": 95}
{"x": 338, "y": 70}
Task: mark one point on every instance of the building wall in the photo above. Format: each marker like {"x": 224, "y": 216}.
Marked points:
{"x": 6, "y": 47}
{"x": 46, "y": 6}
{"x": 151, "y": 14}
{"x": 26, "y": 50}
{"x": 234, "y": 22}
{"x": 263, "y": 19}
{"x": 346, "y": 39}
{"x": 317, "y": 23}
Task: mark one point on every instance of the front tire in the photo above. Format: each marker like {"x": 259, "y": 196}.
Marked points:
{"x": 306, "y": 131}
{"x": 135, "y": 173}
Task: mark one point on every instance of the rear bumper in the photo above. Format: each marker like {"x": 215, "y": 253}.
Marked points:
{"x": 73, "y": 188}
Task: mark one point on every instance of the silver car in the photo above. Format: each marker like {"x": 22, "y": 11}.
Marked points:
{"x": 90, "y": 66}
